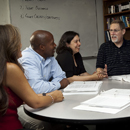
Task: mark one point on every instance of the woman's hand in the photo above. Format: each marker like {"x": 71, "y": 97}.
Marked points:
{"x": 97, "y": 76}
{"x": 56, "y": 95}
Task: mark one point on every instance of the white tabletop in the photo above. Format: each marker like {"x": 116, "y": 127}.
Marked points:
{"x": 63, "y": 111}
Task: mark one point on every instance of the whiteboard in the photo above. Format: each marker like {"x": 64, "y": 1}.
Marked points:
{"x": 57, "y": 16}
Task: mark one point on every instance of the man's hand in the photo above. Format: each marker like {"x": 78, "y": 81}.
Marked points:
{"x": 103, "y": 71}
{"x": 105, "y": 75}
{"x": 64, "y": 82}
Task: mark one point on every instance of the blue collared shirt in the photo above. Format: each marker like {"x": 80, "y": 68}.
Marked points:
{"x": 39, "y": 71}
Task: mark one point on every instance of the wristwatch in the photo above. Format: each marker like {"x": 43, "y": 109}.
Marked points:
{"x": 44, "y": 94}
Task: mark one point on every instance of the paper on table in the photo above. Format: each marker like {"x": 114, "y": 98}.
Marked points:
{"x": 121, "y": 78}
{"x": 126, "y": 78}
{"x": 107, "y": 102}
{"x": 84, "y": 87}
{"x": 74, "y": 93}
{"x": 113, "y": 98}
{"x": 99, "y": 109}
{"x": 110, "y": 101}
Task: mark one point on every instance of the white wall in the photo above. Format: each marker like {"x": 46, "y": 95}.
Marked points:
{"x": 90, "y": 63}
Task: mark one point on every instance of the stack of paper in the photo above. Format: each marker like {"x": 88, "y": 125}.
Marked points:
{"x": 125, "y": 78}
{"x": 111, "y": 101}
{"x": 83, "y": 87}
{"x": 120, "y": 77}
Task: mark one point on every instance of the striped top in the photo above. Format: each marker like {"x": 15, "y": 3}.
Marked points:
{"x": 117, "y": 59}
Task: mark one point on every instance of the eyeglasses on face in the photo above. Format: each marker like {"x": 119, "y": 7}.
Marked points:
{"x": 115, "y": 30}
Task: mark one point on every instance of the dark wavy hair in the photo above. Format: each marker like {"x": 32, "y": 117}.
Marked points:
{"x": 10, "y": 40}
{"x": 65, "y": 38}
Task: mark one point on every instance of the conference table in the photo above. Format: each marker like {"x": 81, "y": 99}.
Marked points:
{"x": 64, "y": 113}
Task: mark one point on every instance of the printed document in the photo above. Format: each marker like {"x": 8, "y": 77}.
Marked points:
{"x": 112, "y": 100}
{"x": 83, "y": 87}
{"x": 125, "y": 78}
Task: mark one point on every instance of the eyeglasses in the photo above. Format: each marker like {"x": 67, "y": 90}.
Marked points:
{"x": 115, "y": 30}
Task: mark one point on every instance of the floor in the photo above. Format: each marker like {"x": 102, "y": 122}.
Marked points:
{"x": 91, "y": 127}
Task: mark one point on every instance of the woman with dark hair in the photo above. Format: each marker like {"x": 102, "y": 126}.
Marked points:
{"x": 70, "y": 60}
{"x": 14, "y": 88}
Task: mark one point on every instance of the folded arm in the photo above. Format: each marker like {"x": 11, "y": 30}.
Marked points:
{"x": 103, "y": 71}
{"x": 39, "y": 75}
{"x": 95, "y": 76}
